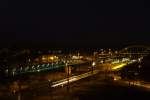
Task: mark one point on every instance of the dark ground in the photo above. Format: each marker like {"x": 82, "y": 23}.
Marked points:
{"x": 93, "y": 88}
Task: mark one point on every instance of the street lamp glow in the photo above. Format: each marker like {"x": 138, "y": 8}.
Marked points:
{"x": 93, "y": 64}
{"x": 52, "y": 58}
{"x": 38, "y": 70}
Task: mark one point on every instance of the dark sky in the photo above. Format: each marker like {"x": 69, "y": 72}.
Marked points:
{"x": 74, "y": 23}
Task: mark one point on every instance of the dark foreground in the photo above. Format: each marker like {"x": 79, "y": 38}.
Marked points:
{"x": 92, "y": 88}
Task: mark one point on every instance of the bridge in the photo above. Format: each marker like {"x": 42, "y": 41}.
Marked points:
{"x": 134, "y": 50}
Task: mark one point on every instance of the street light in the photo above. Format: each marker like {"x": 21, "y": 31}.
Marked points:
{"x": 93, "y": 65}
{"x": 49, "y": 81}
{"x": 67, "y": 76}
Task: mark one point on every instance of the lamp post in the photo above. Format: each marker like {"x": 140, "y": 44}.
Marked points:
{"x": 49, "y": 82}
{"x": 93, "y": 65}
{"x": 67, "y": 76}
{"x": 16, "y": 89}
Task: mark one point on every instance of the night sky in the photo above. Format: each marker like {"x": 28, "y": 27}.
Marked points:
{"x": 74, "y": 23}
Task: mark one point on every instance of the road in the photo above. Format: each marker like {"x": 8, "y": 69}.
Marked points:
{"x": 73, "y": 78}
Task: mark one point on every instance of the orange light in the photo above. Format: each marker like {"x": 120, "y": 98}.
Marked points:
{"x": 52, "y": 58}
